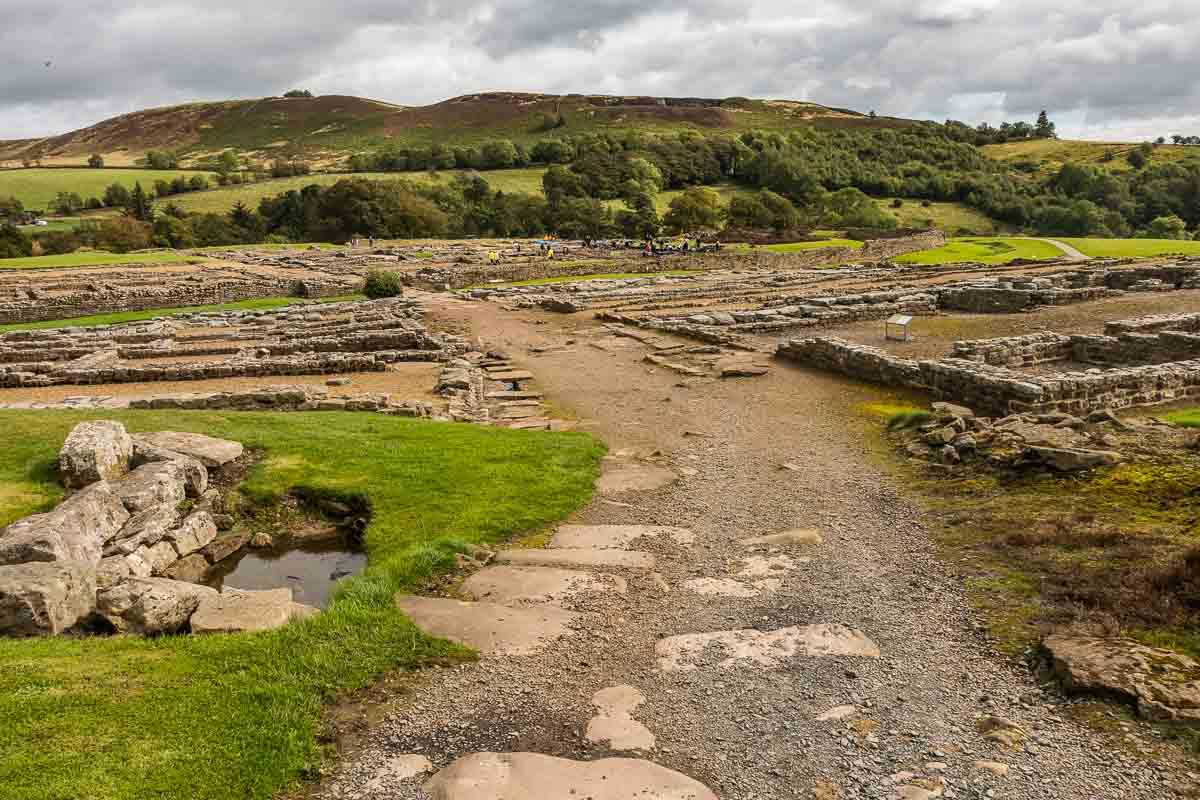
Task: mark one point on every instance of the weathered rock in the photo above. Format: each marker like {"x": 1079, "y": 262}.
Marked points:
{"x": 222, "y": 547}
{"x": 195, "y": 474}
{"x": 951, "y": 410}
{"x": 194, "y": 532}
{"x": 489, "y": 628}
{"x": 207, "y": 450}
{"x": 615, "y": 536}
{"x": 98, "y": 450}
{"x": 532, "y": 776}
{"x": 191, "y": 569}
{"x": 238, "y": 610}
{"x": 151, "y": 606}
{"x": 1002, "y": 731}
{"x": 144, "y": 529}
{"x": 153, "y": 560}
{"x": 45, "y": 598}
{"x": 1072, "y": 459}
{"x": 635, "y": 478}
{"x": 579, "y": 557}
{"x": 158, "y": 483}
{"x": 1161, "y": 684}
{"x": 74, "y": 531}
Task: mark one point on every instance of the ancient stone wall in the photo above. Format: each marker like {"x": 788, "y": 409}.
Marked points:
{"x": 882, "y": 249}
{"x": 1016, "y": 351}
{"x": 998, "y": 390}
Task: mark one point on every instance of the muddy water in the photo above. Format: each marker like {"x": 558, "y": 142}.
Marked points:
{"x": 311, "y": 571}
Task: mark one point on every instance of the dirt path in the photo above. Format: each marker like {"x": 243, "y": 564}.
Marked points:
{"x": 1070, "y": 252}
{"x": 779, "y": 719}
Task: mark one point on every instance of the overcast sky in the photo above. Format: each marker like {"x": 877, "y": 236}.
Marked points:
{"x": 1105, "y": 69}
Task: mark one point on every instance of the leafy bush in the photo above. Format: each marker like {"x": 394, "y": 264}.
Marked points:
{"x": 383, "y": 283}
{"x": 903, "y": 420}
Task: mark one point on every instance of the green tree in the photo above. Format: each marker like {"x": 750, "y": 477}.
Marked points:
{"x": 499, "y": 154}
{"x": 640, "y": 220}
{"x": 1170, "y": 227}
{"x": 13, "y": 243}
{"x": 116, "y": 196}
{"x": 139, "y": 206}
{"x": 96, "y": 161}
{"x": 697, "y": 209}
{"x": 67, "y": 203}
{"x": 383, "y": 283}
{"x": 1044, "y": 128}
{"x": 160, "y": 159}
{"x": 124, "y": 234}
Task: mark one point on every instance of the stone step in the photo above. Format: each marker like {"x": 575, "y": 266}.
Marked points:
{"x": 511, "y": 376}
{"x": 761, "y": 649}
{"x": 579, "y": 557}
{"x": 490, "y": 628}
{"x": 531, "y": 424}
{"x": 615, "y": 536}
{"x": 509, "y": 585}
{"x": 513, "y": 395}
{"x": 520, "y": 412}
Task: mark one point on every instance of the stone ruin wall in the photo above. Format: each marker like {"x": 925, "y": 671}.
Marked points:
{"x": 998, "y": 390}
{"x": 466, "y": 275}
{"x": 39, "y": 308}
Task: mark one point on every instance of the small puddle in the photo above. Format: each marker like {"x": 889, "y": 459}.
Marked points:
{"x": 311, "y": 570}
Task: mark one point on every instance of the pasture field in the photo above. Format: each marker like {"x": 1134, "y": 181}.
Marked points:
{"x": 87, "y": 258}
{"x": 36, "y": 188}
{"x": 953, "y": 218}
{"x": 223, "y": 716}
{"x": 1051, "y": 154}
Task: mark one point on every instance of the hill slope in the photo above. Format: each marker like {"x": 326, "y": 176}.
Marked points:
{"x": 330, "y": 126}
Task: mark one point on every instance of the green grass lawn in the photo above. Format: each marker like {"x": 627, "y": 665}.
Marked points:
{"x": 1187, "y": 417}
{"x": 36, "y": 188}
{"x": 88, "y": 258}
{"x": 135, "y": 316}
{"x": 1128, "y": 248}
{"x": 237, "y": 716}
{"x": 58, "y": 224}
{"x": 984, "y": 250}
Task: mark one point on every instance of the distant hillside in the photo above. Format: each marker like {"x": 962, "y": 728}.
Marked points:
{"x": 1048, "y": 155}
{"x": 325, "y": 129}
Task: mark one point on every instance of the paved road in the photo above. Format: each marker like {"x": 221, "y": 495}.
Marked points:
{"x": 749, "y": 724}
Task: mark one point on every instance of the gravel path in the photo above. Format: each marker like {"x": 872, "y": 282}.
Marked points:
{"x": 905, "y": 724}
{"x": 1071, "y": 253}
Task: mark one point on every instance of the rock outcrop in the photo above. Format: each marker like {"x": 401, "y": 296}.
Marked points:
{"x": 74, "y": 531}
{"x": 1161, "y": 684}
{"x": 150, "y": 606}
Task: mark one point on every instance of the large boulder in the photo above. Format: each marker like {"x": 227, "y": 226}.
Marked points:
{"x": 74, "y": 531}
{"x": 196, "y": 531}
{"x": 1072, "y": 459}
{"x": 1162, "y": 684}
{"x": 145, "y": 528}
{"x": 45, "y": 598}
{"x": 159, "y": 483}
{"x": 195, "y": 474}
{"x": 98, "y": 450}
{"x": 151, "y": 605}
{"x": 238, "y": 610}
{"x": 208, "y": 451}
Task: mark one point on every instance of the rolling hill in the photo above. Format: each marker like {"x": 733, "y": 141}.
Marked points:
{"x": 326, "y": 128}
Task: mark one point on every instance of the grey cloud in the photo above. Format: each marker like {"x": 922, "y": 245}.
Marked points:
{"x": 1097, "y": 63}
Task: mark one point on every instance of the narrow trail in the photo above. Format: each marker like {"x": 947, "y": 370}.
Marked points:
{"x": 798, "y": 707}
{"x": 1071, "y": 253}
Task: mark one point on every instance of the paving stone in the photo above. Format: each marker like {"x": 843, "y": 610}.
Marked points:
{"x": 614, "y": 724}
{"x": 239, "y": 610}
{"x": 209, "y": 451}
{"x": 763, "y": 649}
{"x": 507, "y": 584}
{"x": 490, "y": 628}
{"x": 800, "y": 537}
{"x": 533, "y": 776}
{"x": 635, "y": 478}
{"x": 615, "y": 536}
{"x": 724, "y": 587}
{"x": 579, "y": 557}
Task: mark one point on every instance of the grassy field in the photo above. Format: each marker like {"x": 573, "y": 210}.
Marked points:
{"x": 983, "y": 250}
{"x": 220, "y": 200}
{"x": 1187, "y": 417}
{"x": 54, "y": 224}
{"x": 953, "y": 218}
{"x": 1051, "y": 154}
{"x": 36, "y": 188}
{"x": 1126, "y": 248}
{"x": 115, "y": 318}
{"x": 87, "y": 258}
{"x": 217, "y": 717}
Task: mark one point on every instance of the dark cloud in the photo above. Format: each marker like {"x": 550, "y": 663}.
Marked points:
{"x": 1100, "y": 66}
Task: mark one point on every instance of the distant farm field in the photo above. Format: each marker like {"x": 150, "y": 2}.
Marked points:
{"x": 36, "y": 188}
{"x": 1051, "y": 154}
{"x": 220, "y": 200}
{"x": 87, "y": 258}
{"x": 953, "y": 218}
{"x": 985, "y": 250}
